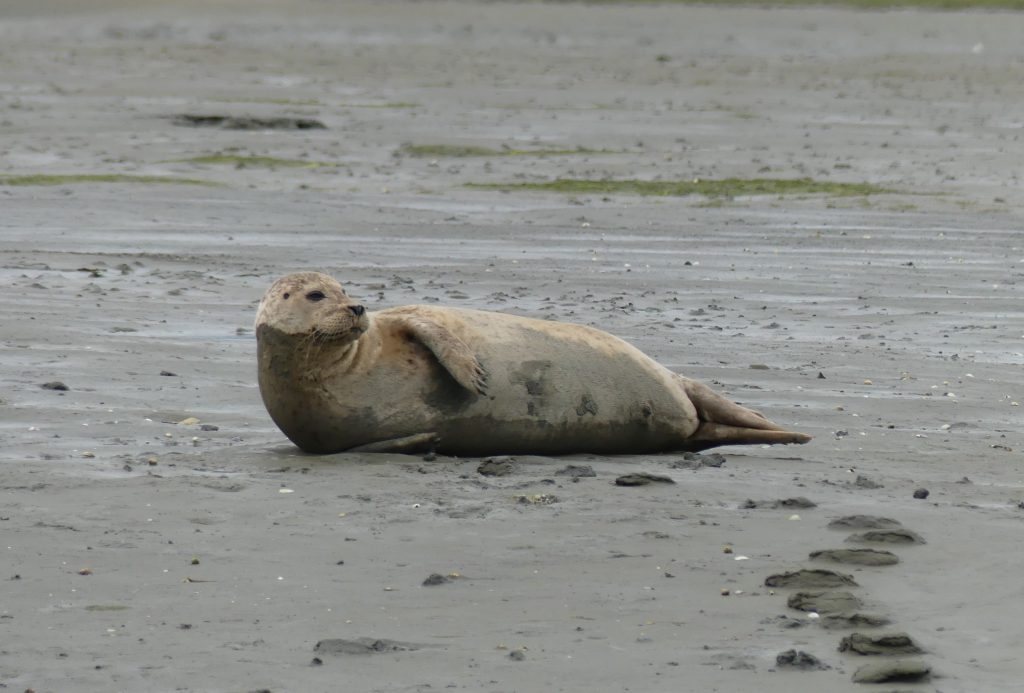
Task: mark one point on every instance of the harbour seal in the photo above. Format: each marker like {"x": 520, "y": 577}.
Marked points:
{"x": 336, "y": 377}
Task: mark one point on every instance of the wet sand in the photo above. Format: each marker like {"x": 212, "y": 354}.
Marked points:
{"x": 146, "y": 554}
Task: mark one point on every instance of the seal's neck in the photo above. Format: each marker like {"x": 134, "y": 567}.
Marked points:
{"x": 358, "y": 354}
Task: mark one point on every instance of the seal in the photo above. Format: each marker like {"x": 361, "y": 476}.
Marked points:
{"x": 336, "y": 377}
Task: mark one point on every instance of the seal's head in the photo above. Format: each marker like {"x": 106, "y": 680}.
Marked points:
{"x": 312, "y": 305}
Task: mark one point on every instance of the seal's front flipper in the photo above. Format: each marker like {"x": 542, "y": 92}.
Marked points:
{"x": 421, "y": 442}
{"x": 451, "y": 352}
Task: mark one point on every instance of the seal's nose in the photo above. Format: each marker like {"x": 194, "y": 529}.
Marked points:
{"x": 357, "y": 310}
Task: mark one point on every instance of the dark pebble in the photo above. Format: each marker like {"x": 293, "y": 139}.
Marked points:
{"x": 921, "y": 493}
{"x": 55, "y": 385}
{"x": 209, "y": 427}
{"x": 516, "y": 655}
{"x": 168, "y": 374}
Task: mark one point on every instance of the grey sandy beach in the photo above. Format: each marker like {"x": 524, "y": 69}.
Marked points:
{"x": 162, "y": 163}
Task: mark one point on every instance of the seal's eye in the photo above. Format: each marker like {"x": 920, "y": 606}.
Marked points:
{"x": 315, "y": 296}
{"x": 286, "y": 295}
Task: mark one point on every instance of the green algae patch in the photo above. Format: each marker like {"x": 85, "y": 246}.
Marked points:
{"x": 721, "y": 188}
{"x": 73, "y": 178}
{"x": 439, "y": 151}
{"x": 256, "y": 161}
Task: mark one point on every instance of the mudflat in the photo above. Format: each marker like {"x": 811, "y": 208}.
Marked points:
{"x": 610, "y": 165}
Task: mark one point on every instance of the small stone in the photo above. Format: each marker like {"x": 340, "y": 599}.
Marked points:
{"x": 921, "y": 493}
{"x": 435, "y": 579}
{"x": 209, "y": 427}
{"x": 55, "y": 385}
{"x": 516, "y": 655}
{"x": 168, "y": 374}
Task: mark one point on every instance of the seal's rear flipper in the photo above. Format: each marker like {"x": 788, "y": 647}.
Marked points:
{"x": 723, "y": 422}
{"x": 710, "y": 435}
{"x": 421, "y": 442}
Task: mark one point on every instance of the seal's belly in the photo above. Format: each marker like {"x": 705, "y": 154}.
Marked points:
{"x": 557, "y": 397}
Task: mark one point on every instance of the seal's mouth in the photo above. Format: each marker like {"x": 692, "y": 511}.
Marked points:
{"x": 350, "y": 334}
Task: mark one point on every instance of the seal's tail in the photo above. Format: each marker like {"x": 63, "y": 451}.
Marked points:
{"x": 723, "y": 422}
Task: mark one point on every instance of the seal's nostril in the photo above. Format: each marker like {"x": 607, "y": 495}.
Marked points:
{"x": 357, "y": 310}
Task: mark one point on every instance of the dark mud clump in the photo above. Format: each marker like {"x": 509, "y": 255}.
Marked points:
{"x": 906, "y": 670}
{"x": 246, "y": 122}
{"x": 694, "y": 460}
{"x": 824, "y": 602}
{"x": 362, "y": 646}
{"x": 863, "y": 522}
{"x": 642, "y": 479}
{"x": 798, "y": 659}
{"x": 810, "y": 579}
{"x": 496, "y": 467}
{"x": 790, "y": 503}
{"x": 873, "y": 557}
{"x": 852, "y": 620}
{"x": 887, "y": 536}
{"x": 883, "y": 644}
{"x": 783, "y": 621}
{"x": 577, "y": 471}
